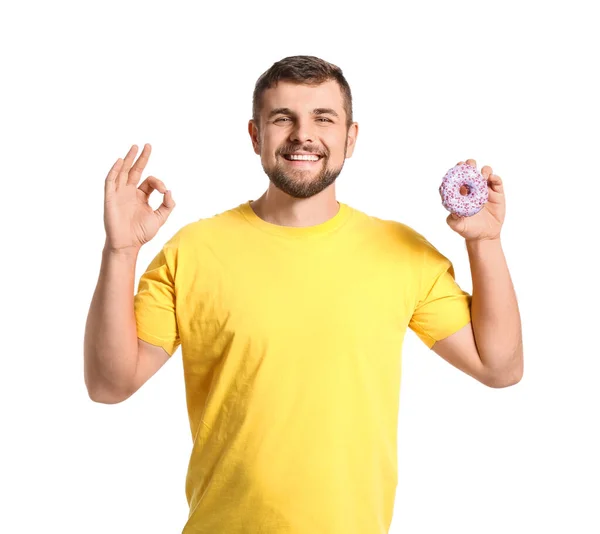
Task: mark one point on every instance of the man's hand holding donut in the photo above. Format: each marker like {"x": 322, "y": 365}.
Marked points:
{"x": 493, "y": 339}
{"x": 487, "y": 223}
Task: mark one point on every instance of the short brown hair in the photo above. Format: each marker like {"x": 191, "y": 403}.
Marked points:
{"x": 309, "y": 70}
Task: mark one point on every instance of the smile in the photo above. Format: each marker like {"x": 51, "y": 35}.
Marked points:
{"x": 302, "y": 157}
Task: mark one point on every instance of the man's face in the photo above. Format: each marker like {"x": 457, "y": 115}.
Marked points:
{"x": 300, "y": 119}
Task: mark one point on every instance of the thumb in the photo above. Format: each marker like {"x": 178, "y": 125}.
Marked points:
{"x": 453, "y": 219}
{"x": 164, "y": 210}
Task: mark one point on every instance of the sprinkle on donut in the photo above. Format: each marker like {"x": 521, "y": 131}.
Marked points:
{"x": 473, "y": 182}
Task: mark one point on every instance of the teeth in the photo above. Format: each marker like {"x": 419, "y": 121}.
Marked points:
{"x": 303, "y": 157}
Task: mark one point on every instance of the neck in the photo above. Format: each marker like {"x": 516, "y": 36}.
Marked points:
{"x": 276, "y": 207}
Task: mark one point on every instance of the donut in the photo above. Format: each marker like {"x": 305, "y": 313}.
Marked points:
{"x": 475, "y": 184}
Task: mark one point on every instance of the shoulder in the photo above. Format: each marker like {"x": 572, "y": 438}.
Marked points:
{"x": 406, "y": 244}
{"x": 204, "y": 229}
{"x": 397, "y": 232}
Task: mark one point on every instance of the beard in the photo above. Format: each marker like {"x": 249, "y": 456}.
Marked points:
{"x": 293, "y": 183}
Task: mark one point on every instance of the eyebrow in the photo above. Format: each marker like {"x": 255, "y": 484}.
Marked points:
{"x": 317, "y": 111}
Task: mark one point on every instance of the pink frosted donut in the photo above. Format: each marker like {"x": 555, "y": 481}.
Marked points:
{"x": 477, "y": 190}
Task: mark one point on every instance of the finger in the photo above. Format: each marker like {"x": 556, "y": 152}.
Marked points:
{"x": 495, "y": 182}
{"x": 122, "y": 178}
{"x": 165, "y": 209}
{"x": 460, "y": 163}
{"x": 452, "y": 220}
{"x": 152, "y": 183}
{"x": 472, "y": 162}
{"x": 136, "y": 171}
{"x": 111, "y": 177}
{"x": 486, "y": 171}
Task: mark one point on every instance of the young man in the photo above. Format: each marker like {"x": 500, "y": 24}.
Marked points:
{"x": 291, "y": 312}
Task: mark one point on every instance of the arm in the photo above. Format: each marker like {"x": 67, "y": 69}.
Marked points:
{"x": 490, "y": 348}
{"x": 495, "y": 313}
{"x": 111, "y": 343}
{"x": 116, "y": 363}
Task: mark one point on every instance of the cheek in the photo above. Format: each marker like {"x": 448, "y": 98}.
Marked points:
{"x": 337, "y": 151}
{"x": 336, "y": 144}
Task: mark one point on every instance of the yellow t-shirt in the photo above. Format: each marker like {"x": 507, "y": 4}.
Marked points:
{"x": 291, "y": 342}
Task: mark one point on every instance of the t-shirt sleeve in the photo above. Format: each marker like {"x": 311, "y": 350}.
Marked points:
{"x": 154, "y": 303}
{"x": 442, "y": 307}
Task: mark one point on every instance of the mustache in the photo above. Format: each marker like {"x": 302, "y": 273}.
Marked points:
{"x": 312, "y": 150}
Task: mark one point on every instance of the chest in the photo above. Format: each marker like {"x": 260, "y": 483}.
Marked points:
{"x": 298, "y": 298}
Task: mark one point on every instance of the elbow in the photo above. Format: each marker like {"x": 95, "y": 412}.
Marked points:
{"x": 503, "y": 384}
{"x": 505, "y": 379}
{"x": 105, "y": 395}
{"x": 107, "y": 399}
{"x": 511, "y": 374}
{"x": 102, "y": 392}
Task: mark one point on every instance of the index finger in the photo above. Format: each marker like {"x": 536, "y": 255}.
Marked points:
{"x": 136, "y": 171}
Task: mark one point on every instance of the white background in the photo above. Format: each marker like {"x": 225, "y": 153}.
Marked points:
{"x": 510, "y": 84}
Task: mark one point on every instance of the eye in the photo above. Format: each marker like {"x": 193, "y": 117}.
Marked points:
{"x": 324, "y": 119}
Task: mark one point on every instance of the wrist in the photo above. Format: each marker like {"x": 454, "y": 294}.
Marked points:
{"x": 483, "y": 240}
{"x": 483, "y": 244}
{"x": 126, "y": 252}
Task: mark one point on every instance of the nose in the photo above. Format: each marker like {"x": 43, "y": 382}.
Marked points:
{"x": 301, "y": 132}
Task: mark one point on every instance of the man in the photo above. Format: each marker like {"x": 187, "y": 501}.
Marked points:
{"x": 291, "y": 311}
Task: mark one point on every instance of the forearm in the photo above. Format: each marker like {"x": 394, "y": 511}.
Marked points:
{"x": 110, "y": 345}
{"x": 494, "y": 310}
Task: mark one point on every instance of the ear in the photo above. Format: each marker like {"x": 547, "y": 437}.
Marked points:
{"x": 254, "y": 136}
{"x": 351, "y": 139}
